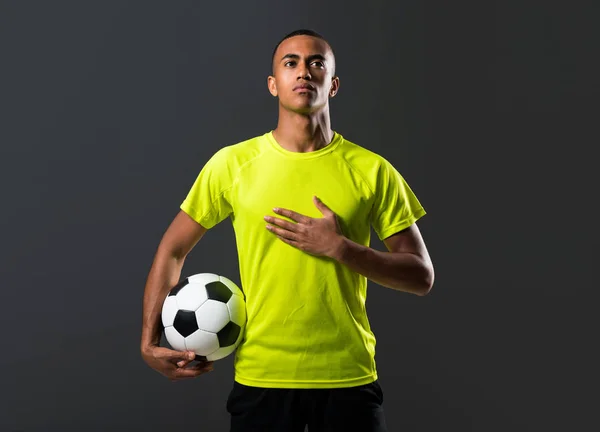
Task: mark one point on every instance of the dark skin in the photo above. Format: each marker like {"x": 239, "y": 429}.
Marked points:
{"x": 405, "y": 267}
{"x": 304, "y": 123}
{"x": 177, "y": 242}
{"x": 303, "y": 126}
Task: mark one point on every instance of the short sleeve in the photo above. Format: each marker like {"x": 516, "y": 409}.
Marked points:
{"x": 208, "y": 201}
{"x": 395, "y": 206}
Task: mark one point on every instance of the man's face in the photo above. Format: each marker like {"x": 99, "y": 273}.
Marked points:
{"x": 303, "y": 74}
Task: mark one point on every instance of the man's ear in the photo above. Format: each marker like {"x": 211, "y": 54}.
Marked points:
{"x": 335, "y": 86}
{"x": 272, "y": 86}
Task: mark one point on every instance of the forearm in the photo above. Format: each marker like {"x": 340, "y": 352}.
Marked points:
{"x": 400, "y": 271}
{"x": 164, "y": 274}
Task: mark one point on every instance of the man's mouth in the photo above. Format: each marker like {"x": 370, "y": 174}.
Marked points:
{"x": 304, "y": 87}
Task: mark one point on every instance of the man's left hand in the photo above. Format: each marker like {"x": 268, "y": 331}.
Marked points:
{"x": 316, "y": 236}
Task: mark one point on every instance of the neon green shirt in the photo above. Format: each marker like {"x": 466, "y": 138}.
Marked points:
{"x": 307, "y": 325}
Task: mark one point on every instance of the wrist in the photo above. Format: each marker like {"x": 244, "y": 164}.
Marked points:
{"x": 147, "y": 346}
{"x": 339, "y": 249}
{"x": 146, "y": 351}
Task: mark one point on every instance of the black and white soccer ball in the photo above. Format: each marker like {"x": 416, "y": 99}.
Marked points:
{"x": 205, "y": 313}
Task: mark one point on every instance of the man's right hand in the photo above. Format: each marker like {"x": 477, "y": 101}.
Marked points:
{"x": 172, "y": 364}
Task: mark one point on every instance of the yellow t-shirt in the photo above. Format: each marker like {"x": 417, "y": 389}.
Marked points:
{"x": 307, "y": 325}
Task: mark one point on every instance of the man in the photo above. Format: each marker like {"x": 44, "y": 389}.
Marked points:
{"x": 302, "y": 200}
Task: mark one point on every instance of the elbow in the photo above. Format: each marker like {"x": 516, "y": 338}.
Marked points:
{"x": 426, "y": 289}
{"x": 428, "y": 281}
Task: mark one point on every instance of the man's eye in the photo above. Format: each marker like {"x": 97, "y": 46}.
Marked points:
{"x": 288, "y": 63}
{"x": 318, "y": 63}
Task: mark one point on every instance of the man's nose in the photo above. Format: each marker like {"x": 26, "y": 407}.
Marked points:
{"x": 303, "y": 72}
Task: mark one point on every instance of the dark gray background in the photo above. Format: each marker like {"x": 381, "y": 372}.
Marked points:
{"x": 110, "y": 109}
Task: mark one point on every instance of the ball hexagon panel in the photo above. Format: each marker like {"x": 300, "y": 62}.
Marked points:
{"x": 169, "y": 311}
{"x": 191, "y": 296}
{"x": 212, "y": 316}
{"x": 205, "y": 313}
{"x": 185, "y": 322}
{"x": 237, "y": 310}
{"x": 202, "y": 342}
{"x": 175, "y": 339}
{"x": 203, "y": 278}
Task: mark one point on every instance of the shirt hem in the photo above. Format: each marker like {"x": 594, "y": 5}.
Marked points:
{"x": 352, "y": 382}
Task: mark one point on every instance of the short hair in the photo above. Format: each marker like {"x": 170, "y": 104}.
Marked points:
{"x": 301, "y": 32}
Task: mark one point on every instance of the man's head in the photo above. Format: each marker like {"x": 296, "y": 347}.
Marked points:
{"x": 303, "y": 32}
{"x": 303, "y": 72}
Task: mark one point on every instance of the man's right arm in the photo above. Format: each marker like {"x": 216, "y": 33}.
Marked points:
{"x": 179, "y": 239}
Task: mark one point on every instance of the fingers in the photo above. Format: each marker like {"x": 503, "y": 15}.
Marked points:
{"x": 183, "y": 355}
{"x": 207, "y": 366}
{"x": 175, "y": 365}
{"x": 297, "y": 217}
{"x": 183, "y": 363}
{"x": 199, "y": 365}
{"x": 283, "y": 233}
{"x": 192, "y": 371}
{"x": 173, "y": 355}
{"x": 188, "y": 360}
{"x": 166, "y": 353}
{"x": 280, "y": 223}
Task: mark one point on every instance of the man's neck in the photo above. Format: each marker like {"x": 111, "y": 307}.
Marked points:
{"x": 302, "y": 134}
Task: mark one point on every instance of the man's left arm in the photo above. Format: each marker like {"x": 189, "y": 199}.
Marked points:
{"x": 406, "y": 266}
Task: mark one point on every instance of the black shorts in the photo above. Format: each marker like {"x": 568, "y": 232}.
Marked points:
{"x": 291, "y": 410}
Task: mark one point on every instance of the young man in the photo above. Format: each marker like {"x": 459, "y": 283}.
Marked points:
{"x": 301, "y": 199}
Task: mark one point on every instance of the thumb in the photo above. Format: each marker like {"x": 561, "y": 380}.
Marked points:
{"x": 320, "y": 204}
{"x": 187, "y": 357}
{"x": 183, "y": 355}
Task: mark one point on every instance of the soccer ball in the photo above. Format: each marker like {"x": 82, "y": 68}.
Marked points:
{"x": 205, "y": 313}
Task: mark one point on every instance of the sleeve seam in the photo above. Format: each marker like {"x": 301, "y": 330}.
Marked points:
{"x": 359, "y": 174}
{"x": 416, "y": 215}
{"x": 234, "y": 181}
